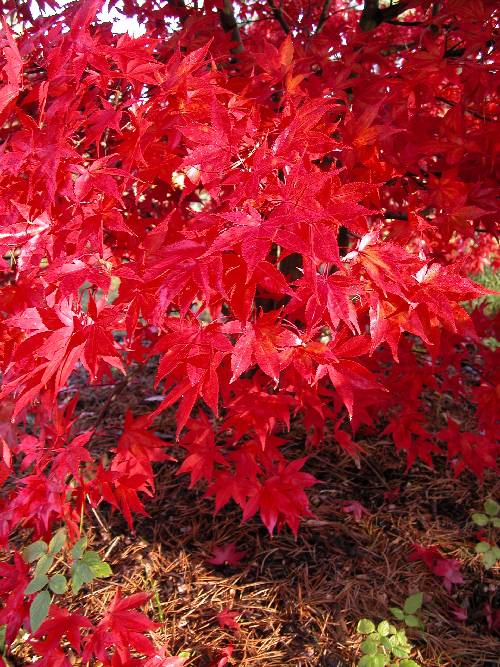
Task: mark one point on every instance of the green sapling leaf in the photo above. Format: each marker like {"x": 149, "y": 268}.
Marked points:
{"x": 39, "y": 610}
{"x": 33, "y": 551}
{"x": 365, "y": 626}
{"x": 413, "y": 603}
{"x": 36, "y": 584}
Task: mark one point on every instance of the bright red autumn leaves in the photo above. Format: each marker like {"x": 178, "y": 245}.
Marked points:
{"x": 180, "y": 197}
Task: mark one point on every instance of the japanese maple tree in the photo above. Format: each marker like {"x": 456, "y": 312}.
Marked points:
{"x": 281, "y": 204}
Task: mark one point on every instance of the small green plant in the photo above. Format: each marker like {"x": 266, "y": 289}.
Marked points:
{"x": 384, "y": 645}
{"x": 488, "y": 519}
{"x": 408, "y": 614}
{"x": 490, "y": 278}
{"x": 85, "y": 567}
{"x": 490, "y": 515}
{"x": 489, "y": 552}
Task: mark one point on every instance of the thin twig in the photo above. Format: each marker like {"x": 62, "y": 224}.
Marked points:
{"x": 112, "y": 546}
{"x": 476, "y": 114}
{"x": 408, "y": 24}
{"x": 229, "y": 24}
{"x": 323, "y": 17}
{"x": 278, "y": 15}
{"x": 119, "y": 387}
{"x": 98, "y": 517}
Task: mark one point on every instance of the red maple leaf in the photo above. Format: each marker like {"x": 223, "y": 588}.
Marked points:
{"x": 138, "y": 448}
{"x": 426, "y": 554}
{"x": 161, "y": 660}
{"x": 227, "y": 554}
{"x": 229, "y": 619}
{"x": 281, "y": 498}
{"x": 203, "y": 452}
{"x": 13, "y": 581}
{"x": 121, "y": 488}
{"x": 449, "y": 570}
{"x": 5, "y": 461}
{"x": 122, "y": 627}
{"x": 351, "y": 447}
{"x": 224, "y": 656}
{"x": 459, "y": 613}
{"x": 355, "y": 508}
{"x": 446, "y": 568}
{"x": 60, "y": 623}
{"x": 58, "y": 338}
{"x": 388, "y": 266}
{"x": 265, "y": 343}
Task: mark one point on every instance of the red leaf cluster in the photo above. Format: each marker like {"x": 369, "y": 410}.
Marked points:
{"x": 286, "y": 225}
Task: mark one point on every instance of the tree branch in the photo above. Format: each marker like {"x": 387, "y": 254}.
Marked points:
{"x": 278, "y": 15}
{"x": 475, "y": 114}
{"x": 229, "y": 24}
{"x": 372, "y": 16}
{"x": 323, "y": 17}
{"x": 395, "y": 215}
{"x": 408, "y": 24}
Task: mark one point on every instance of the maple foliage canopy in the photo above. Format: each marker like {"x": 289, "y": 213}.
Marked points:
{"x": 282, "y": 204}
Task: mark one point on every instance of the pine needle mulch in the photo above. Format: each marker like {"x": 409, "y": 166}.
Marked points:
{"x": 298, "y": 600}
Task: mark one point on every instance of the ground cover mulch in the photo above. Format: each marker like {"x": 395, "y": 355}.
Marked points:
{"x": 299, "y": 600}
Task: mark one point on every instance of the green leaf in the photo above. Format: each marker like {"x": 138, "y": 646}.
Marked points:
{"x": 489, "y": 559}
{"x": 383, "y": 628}
{"x": 91, "y": 558}
{"x": 412, "y": 621}
{"x": 401, "y": 637}
{"x": 79, "y": 547}
{"x": 44, "y": 564}
{"x": 365, "y": 626}
{"x": 399, "y": 652}
{"x": 496, "y": 552}
{"x": 80, "y": 574}
{"x": 36, "y": 584}
{"x": 482, "y": 547}
{"x": 39, "y": 610}
{"x": 480, "y": 519}
{"x": 496, "y": 521}
{"x": 386, "y": 642}
{"x": 491, "y": 507}
{"x": 413, "y": 603}
{"x": 3, "y": 638}
{"x": 369, "y": 647}
{"x": 58, "y": 584}
{"x": 408, "y": 663}
{"x": 33, "y": 551}
{"x": 99, "y": 567}
{"x": 377, "y": 660}
{"x": 397, "y": 613}
{"x": 58, "y": 541}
